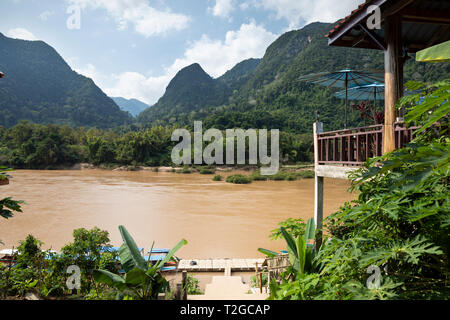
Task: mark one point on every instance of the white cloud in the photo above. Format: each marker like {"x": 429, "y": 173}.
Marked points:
{"x": 135, "y": 85}
{"x": 215, "y": 56}
{"x": 301, "y": 12}
{"x": 223, "y": 8}
{"x": 21, "y": 33}
{"x": 45, "y": 15}
{"x": 146, "y": 20}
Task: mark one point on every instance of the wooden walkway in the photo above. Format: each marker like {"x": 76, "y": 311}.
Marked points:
{"x": 220, "y": 265}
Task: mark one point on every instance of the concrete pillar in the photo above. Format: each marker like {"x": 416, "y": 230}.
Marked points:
{"x": 318, "y": 186}
{"x": 318, "y": 207}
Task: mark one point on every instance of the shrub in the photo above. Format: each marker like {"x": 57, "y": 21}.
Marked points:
{"x": 256, "y": 176}
{"x": 217, "y": 177}
{"x": 306, "y": 174}
{"x": 192, "y": 285}
{"x": 280, "y": 176}
{"x": 207, "y": 171}
{"x": 291, "y": 177}
{"x": 295, "y": 227}
{"x": 238, "y": 179}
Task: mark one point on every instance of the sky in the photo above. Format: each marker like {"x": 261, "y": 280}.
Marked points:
{"x": 133, "y": 48}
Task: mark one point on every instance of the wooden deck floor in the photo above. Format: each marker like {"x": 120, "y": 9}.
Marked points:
{"x": 217, "y": 265}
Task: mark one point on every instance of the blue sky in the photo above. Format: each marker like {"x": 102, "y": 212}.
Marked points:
{"x": 133, "y": 48}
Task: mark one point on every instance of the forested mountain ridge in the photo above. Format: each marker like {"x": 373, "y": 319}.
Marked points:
{"x": 41, "y": 87}
{"x": 272, "y": 96}
{"x": 190, "y": 90}
{"x": 240, "y": 73}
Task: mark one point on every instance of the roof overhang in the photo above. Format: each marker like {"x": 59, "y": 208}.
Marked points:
{"x": 424, "y": 24}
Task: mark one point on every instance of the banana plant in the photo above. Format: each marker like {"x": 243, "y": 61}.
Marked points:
{"x": 142, "y": 280}
{"x": 301, "y": 254}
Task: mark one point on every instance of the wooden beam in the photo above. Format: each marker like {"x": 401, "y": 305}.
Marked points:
{"x": 357, "y": 40}
{"x": 375, "y": 38}
{"x": 438, "y": 35}
{"x": 394, "y": 8}
{"x": 392, "y": 65}
{"x": 425, "y": 16}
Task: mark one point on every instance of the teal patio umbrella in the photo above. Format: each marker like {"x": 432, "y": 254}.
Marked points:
{"x": 370, "y": 92}
{"x": 346, "y": 79}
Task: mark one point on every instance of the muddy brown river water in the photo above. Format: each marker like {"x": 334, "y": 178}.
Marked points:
{"x": 218, "y": 219}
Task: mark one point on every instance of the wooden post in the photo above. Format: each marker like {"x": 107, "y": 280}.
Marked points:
{"x": 393, "y": 66}
{"x": 184, "y": 285}
{"x": 317, "y": 128}
{"x": 260, "y": 283}
{"x": 178, "y": 292}
{"x": 318, "y": 186}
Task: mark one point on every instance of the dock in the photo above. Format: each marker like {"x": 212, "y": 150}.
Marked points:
{"x": 220, "y": 265}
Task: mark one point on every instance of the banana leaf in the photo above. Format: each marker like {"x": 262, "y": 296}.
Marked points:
{"x": 110, "y": 279}
{"x": 310, "y": 230}
{"x": 129, "y": 254}
{"x": 268, "y": 253}
{"x": 161, "y": 263}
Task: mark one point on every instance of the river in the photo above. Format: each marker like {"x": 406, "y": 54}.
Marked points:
{"x": 218, "y": 219}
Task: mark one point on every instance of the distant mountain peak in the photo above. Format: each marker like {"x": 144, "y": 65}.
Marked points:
{"x": 193, "y": 72}
{"x": 133, "y": 106}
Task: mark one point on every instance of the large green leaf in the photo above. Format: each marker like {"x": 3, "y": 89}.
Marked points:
{"x": 269, "y": 253}
{"x": 301, "y": 253}
{"x": 136, "y": 277}
{"x": 291, "y": 246}
{"x": 129, "y": 254}
{"x": 161, "y": 263}
{"x": 310, "y": 230}
{"x": 109, "y": 278}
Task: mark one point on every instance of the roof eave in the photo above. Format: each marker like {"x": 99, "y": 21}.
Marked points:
{"x": 352, "y": 22}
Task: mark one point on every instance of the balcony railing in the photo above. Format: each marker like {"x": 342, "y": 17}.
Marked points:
{"x": 353, "y": 147}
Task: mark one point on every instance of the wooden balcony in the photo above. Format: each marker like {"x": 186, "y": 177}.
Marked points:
{"x": 352, "y": 147}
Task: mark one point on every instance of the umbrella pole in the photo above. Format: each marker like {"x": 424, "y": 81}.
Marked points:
{"x": 346, "y": 99}
{"x": 375, "y": 105}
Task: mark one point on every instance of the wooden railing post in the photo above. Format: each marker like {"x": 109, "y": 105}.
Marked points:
{"x": 317, "y": 128}
{"x": 184, "y": 285}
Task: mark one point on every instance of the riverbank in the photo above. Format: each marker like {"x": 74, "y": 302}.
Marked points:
{"x": 211, "y": 169}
